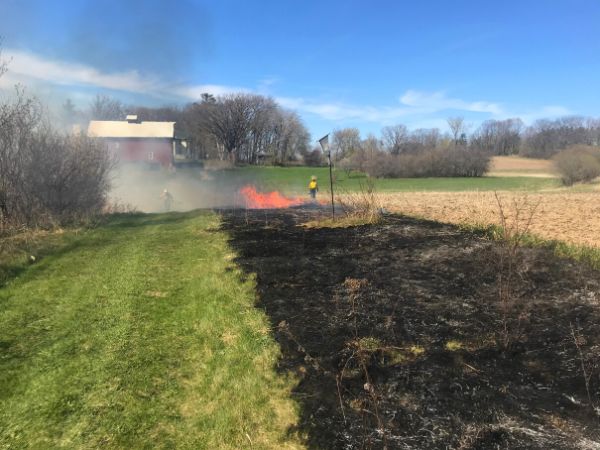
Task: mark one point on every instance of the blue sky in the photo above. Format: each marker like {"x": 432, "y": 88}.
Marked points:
{"x": 337, "y": 63}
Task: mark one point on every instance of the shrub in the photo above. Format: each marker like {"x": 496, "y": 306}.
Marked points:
{"x": 364, "y": 204}
{"x": 580, "y": 163}
{"x": 45, "y": 176}
{"x": 313, "y": 158}
{"x": 68, "y": 174}
{"x": 441, "y": 162}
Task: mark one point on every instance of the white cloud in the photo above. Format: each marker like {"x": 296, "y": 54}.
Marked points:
{"x": 340, "y": 111}
{"x": 417, "y": 108}
{"x": 412, "y": 103}
{"x": 545, "y": 112}
{"x": 438, "y": 101}
{"x": 26, "y": 67}
{"x": 413, "y": 107}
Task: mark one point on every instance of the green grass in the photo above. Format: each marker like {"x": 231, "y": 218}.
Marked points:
{"x": 140, "y": 333}
{"x": 294, "y": 180}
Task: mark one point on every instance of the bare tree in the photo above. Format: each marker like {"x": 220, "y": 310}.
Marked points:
{"x": 104, "y": 107}
{"x": 422, "y": 139}
{"x": 290, "y": 137}
{"x": 230, "y": 122}
{"x": 457, "y": 127}
{"x": 208, "y": 98}
{"x": 250, "y": 127}
{"x": 394, "y": 138}
{"x": 545, "y": 138}
{"x": 195, "y": 125}
{"x": 264, "y": 120}
{"x": 498, "y": 137}
{"x": 344, "y": 142}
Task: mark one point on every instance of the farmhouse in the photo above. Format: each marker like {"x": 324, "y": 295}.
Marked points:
{"x": 134, "y": 141}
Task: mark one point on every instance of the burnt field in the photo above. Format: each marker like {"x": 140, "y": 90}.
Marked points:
{"x": 398, "y": 339}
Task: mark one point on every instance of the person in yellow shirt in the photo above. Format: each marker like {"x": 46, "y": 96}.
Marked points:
{"x": 313, "y": 187}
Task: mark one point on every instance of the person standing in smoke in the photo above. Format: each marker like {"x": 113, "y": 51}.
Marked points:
{"x": 167, "y": 199}
{"x": 313, "y": 187}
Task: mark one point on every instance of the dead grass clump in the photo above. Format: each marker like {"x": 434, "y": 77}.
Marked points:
{"x": 589, "y": 361}
{"x": 475, "y": 436}
{"x": 119, "y": 207}
{"x": 361, "y": 350}
{"x": 363, "y": 204}
{"x": 352, "y": 289}
{"x": 22, "y": 240}
{"x": 515, "y": 222}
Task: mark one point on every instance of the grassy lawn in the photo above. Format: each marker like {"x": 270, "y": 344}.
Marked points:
{"x": 293, "y": 180}
{"x": 140, "y": 333}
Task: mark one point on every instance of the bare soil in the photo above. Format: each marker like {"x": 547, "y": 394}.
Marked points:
{"x": 393, "y": 333}
{"x": 518, "y": 166}
{"x": 572, "y": 217}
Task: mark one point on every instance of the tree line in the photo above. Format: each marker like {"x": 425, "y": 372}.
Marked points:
{"x": 252, "y": 129}
{"x": 543, "y": 139}
{"x": 242, "y": 128}
{"x": 400, "y": 152}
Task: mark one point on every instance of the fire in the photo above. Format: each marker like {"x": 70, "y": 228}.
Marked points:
{"x": 268, "y": 200}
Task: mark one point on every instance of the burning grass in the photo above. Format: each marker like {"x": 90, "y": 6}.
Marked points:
{"x": 269, "y": 200}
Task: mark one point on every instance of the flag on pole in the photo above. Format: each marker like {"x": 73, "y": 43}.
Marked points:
{"x": 324, "y": 141}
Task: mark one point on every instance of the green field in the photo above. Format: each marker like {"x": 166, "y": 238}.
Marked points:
{"x": 140, "y": 333}
{"x": 294, "y": 180}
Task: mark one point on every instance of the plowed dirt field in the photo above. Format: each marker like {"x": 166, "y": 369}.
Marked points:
{"x": 569, "y": 217}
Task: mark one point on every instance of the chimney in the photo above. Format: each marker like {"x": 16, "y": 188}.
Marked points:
{"x": 132, "y": 118}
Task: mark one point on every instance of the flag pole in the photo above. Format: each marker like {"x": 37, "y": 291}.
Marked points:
{"x": 331, "y": 186}
{"x": 324, "y": 142}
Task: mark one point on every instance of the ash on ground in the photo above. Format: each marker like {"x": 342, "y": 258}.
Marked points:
{"x": 394, "y": 332}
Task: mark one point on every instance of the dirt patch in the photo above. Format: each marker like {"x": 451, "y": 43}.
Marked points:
{"x": 517, "y": 166}
{"x": 569, "y": 217}
{"x": 391, "y": 330}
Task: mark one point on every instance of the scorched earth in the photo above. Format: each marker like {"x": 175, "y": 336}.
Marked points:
{"x": 394, "y": 333}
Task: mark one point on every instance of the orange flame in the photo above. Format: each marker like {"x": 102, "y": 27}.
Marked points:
{"x": 268, "y": 200}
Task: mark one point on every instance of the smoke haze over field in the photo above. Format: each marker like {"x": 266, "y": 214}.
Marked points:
{"x": 192, "y": 188}
{"x": 138, "y": 188}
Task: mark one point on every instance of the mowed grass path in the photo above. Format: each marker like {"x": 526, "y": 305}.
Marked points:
{"x": 139, "y": 334}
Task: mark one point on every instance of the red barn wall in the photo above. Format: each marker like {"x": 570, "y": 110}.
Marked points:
{"x": 159, "y": 151}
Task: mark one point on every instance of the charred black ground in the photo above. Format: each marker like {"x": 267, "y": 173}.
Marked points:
{"x": 392, "y": 330}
